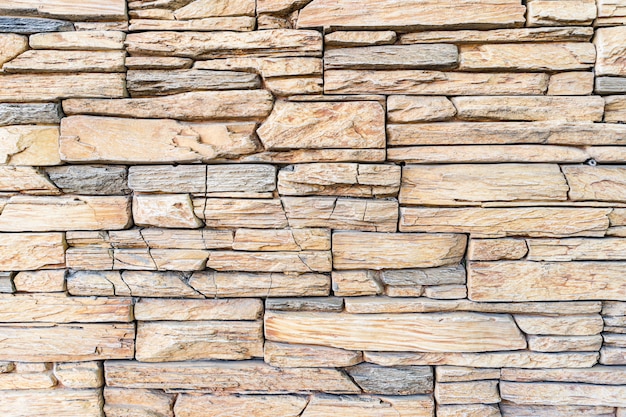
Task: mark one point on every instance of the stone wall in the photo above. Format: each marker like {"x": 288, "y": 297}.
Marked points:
{"x": 283, "y": 208}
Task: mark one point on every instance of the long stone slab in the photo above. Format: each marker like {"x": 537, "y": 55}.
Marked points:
{"x": 563, "y": 394}
{"x": 426, "y": 56}
{"x": 67, "y": 9}
{"x": 60, "y": 402}
{"x": 31, "y": 251}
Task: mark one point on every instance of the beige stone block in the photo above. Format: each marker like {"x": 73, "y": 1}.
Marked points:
{"x": 209, "y": 24}
{"x": 40, "y": 281}
{"x": 120, "y": 402}
{"x": 363, "y": 406}
{"x": 66, "y": 9}
{"x": 563, "y": 393}
{"x": 463, "y": 374}
{"x": 157, "y": 63}
{"x": 268, "y": 67}
{"x": 576, "y": 249}
{"x": 240, "y": 213}
{"x": 565, "y": 343}
{"x": 511, "y": 409}
{"x": 11, "y": 46}
{"x": 300, "y": 262}
{"x": 612, "y": 356}
{"x": 615, "y": 110}
{"x": 410, "y": 109}
{"x": 154, "y": 309}
{"x": 545, "y": 281}
{"x": 446, "y": 332}
{"x": 468, "y": 410}
{"x": 352, "y": 283}
{"x": 249, "y": 405}
{"x": 43, "y": 61}
{"x": 79, "y": 374}
{"x": 611, "y": 51}
{"x": 571, "y": 84}
{"x": 31, "y": 251}
{"x": 357, "y": 250}
{"x": 446, "y": 292}
{"x": 285, "y": 355}
{"x": 472, "y": 392}
{"x": 425, "y": 56}
{"x": 560, "y": 12}
{"x": 165, "y": 210}
{"x": 26, "y": 381}
{"x": 579, "y": 325}
{"x": 360, "y": 38}
{"x": 281, "y": 240}
{"x": 298, "y": 156}
{"x": 29, "y": 145}
{"x": 496, "y": 249}
{"x": 210, "y": 8}
{"x": 542, "y": 34}
{"x": 62, "y": 402}
{"x": 601, "y": 375}
{"x": 89, "y": 40}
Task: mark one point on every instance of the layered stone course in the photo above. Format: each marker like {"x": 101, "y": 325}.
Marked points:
{"x": 313, "y": 208}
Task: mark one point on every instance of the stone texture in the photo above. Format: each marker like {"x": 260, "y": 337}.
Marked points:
{"x": 409, "y": 109}
{"x": 236, "y": 213}
{"x": 235, "y": 24}
{"x": 565, "y": 343}
{"x": 28, "y": 25}
{"x": 615, "y": 110}
{"x": 281, "y": 240}
{"x": 43, "y": 61}
{"x": 154, "y": 309}
{"x": 285, "y": 355}
{"x": 121, "y": 402}
{"x": 64, "y": 402}
{"x": 256, "y": 405}
{"x": 40, "y": 281}
{"x": 301, "y": 262}
{"x": 447, "y": 332}
{"x": 345, "y": 406}
{"x": 610, "y": 85}
{"x": 12, "y": 46}
{"x": 165, "y": 210}
{"x": 496, "y": 249}
{"x": 305, "y": 304}
{"x": 561, "y": 13}
{"x": 510, "y": 409}
{"x": 66, "y": 9}
{"x": 29, "y": 145}
{"x": 351, "y": 283}
{"x": 356, "y": 250}
{"x": 575, "y": 249}
{"x": 541, "y": 34}
{"x": 473, "y": 392}
{"x": 468, "y": 410}
{"x": 463, "y": 374}
{"x": 89, "y": 179}
{"x": 563, "y": 394}
{"x": 406, "y": 380}
{"x": 31, "y": 251}
{"x": 359, "y": 38}
{"x": 564, "y": 326}
{"x": 547, "y": 281}
{"x": 29, "y": 113}
{"x": 608, "y": 42}
{"x": 571, "y": 84}
{"x": 425, "y": 56}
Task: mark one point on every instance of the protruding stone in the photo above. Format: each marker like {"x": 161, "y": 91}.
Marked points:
{"x": 29, "y": 113}
{"x": 496, "y": 249}
{"x": 352, "y": 283}
{"x": 89, "y": 179}
{"x": 165, "y": 210}
{"x": 287, "y": 355}
{"x": 44, "y": 61}
{"x": 360, "y": 38}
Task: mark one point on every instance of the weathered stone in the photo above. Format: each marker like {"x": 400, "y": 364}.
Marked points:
{"x": 168, "y": 341}
{"x": 40, "y": 281}
{"x": 158, "y": 259}
{"x": 291, "y": 86}
{"x": 351, "y": 283}
{"x": 26, "y": 381}
{"x": 368, "y": 305}
{"x": 462, "y": 374}
{"x": 305, "y": 304}
{"x": 527, "y": 56}
{"x": 602, "y": 375}
{"x": 58, "y": 308}
{"x": 27, "y": 180}
{"x": 210, "y": 180}
{"x": 496, "y": 249}
{"x": 446, "y": 292}
{"x": 404, "y": 291}
{"x": 51, "y": 87}
{"x": 66, "y": 9}
{"x": 29, "y": 145}
{"x": 613, "y": 308}
{"x": 11, "y": 45}
{"x": 210, "y": 8}
{"x": 65, "y": 213}
{"x": 426, "y": 56}
{"x": 447, "y": 332}
{"x": 615, "y": 110}
{"x": 610, "y": 46}
{"x": 199, "y": 105}
{"x": 432, "y": 83}
{"x": 473, "y": 392}
{"x": 411, "y": 14}
{"x": 42, "y": 61}
{"x": 209, "y": 24}
{"x": 261, "y": 214}
{"x": 89, "y": 179}
{"x": 29, "y": 113}
{"x": 301, "y": 262}
{"x": 409, "y": 109}
{"x": 612, "y": 356}
{"x": 148, "y": 309}
{"x": 560, "y": 12}
{"x": 262, "y": 284}
{"x": 462, "y": 184}
{"x": 121, "y": 140}
{"x": 544, "y": 34}
{"x": 165, "y": 210}
{"x": 342, "y": 213}
{"x": 405, "y": 380}
{"x": 570, "y": 109}
{"x": 576, "y": 249}
{"x": 571, "y": 84}
{"x": 564, "y": 325}
{"x": 28, "y": 25}
{"x": 545, "y": 281}
{"x": 444, "y": 275}
{"x": 157, "y": 284}
{"x": 275, "y": 43}
{"x": 516, "y": 410}
{"x": 563, "y": 393}
{"x": 299, "y": 156}
{"x": 146, "y": 83}
{"x": 64, "y": 402}
{"x": 269, "y": 67}
{"x": 360, "y": 38}
{"x": 89, "y": 258}
{"x": 468, "y": 410}
{"x": 357, "y": 250}
{"x": 564, "y": 343}
{"x": 96, "y": 283}
{"x": 610, "y": 85}
{"x": 250, "y": 405}
{"x": 614, "y": 340}
{"x": 294, "y": 125}
{"x": 92, "y": 40}
{"x": 365, "y": 406}
{"x": 157, "y": 63}
{"x": 350, "y": 180}
{"x": 121, "y": 402}
{"x": 611, "y": 12}
{"x": 67, "y": 342}
{"x": 478, "y": 133}
{"x": 520, "y": 359}
{"x": 79, "y": 374}
{"x": 226, "y": 376}
{"x": 501, "y": 222}
{"x": 286, "y": 355}
{"x": 6, "y": 283}
{"x": 281, "y": 240}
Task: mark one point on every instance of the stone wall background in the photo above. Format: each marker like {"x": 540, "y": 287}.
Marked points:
{"x": 313, "y": 208}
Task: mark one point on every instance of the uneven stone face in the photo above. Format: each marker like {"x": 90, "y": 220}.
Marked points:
{"x": 285, "y": 355}
{"x": 610, "y": 51}
{"x": 67, "y": 9}
{"x": 560, "y": 13}
{"x": 563, "y": 394}
{"x": 392, "y": 57}
{"x": 257, "y": 405}
{"x": 409, "y": 109}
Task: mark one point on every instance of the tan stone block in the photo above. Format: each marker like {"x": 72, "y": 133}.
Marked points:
{"x": 545, "y": 281}
{"x": 473, "y": 392}
{"x": 468, "y": 410}
{"x": 615, "y": 110}
{"x": 66, "y": 9}
{"x": 511, "y": 409}
{"x": 432, "y": 83}
{"x": 236, "y": 24}
{"x": 389, "y": 332}
{"x": 611, "y": 50}
{"x": 543, "y": 34}
{"x": 169, "y": 341}
{"x": 210, "y": 8}
{"x": 301, "y": 262}
{"x": 446, "y": 292}
{"x": 29, "y": 145}
{"x": 342, "y": 213}
{"x": 496, "y": 249}
{"x": 26, "y": 381}
{"x": 563, "y": 394}
{"x": 425, "y": 56}
{"x": 601, "y": 375}
{"x": 360, "y": 38}
{"x": 40, "y": 281}
{"x": 611, "y": 12}
{"x": 161, "y": 239}
{"x": 286, "y": 355}
{"x": 463, "y": 374}
{"x": 571, "y": 84}
{"x": 281, "y": 240}
{"x": 250, "y": 405}
{"x": 560, "y": 12}
{"x": 89, "y": 258}
{"x": 67, "y": 342}
{"x": 444, "y": 275}
{"x": 227, "y": 377}
{"x": 411, "y": 14}
{"x": 120, "y": 402}
{"x": 299, "y": 156}
{"x": 351, "y": 283}
{"x": 43, "y": 61}
{"x": 31, "y": 251}
{"x": 612, "y": 356}
{"x": 501, "y": 222}
{"x": 79, "y": 374}
{"x": 404, "y": 291}
{"x": 357, "y": 250}
{"x": 576, "y": 249}
{"x": 364, "y": 406}
{"x": 157, "y": 63}
{"x": 344, "y": 179}
{"x": 560, "y": 326}
{"x": 275, "y": 43}
{"x": 565, "y": 343}
{"x": 409, "y": 109}
{"x": 239, "y": 213}
{"x": 154, "y": 309}
{"x": 62, "y": 402}
{"x": 89, "y": 40}
{"x": 268, "y": 67}
{"x": 11, "y": 46}
{"x": 165, "y": 210}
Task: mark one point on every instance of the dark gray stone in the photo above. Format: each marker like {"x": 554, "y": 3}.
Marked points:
{"x": 28, "y": 25}
{"x": 305, "y": 304}
{"x": 90, "y": 179}
{"x": 399, "y": 380}
{"x": 29, "y": 113}
{"x": 610, "y": 85}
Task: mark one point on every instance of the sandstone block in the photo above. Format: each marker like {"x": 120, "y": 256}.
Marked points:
{"x": 281, "y": 240}
{"x": 496, "y": 249}
{"x": 31, "y": 251}
{"x": 305, "y": 304}
{"x": 542, "y": 34}
{"x": 468, "y": 410}
{"x": 89, "y": 179}
{"x": 565, "y": 343}
{"x": 79, "y": 374}
{"x": 287, "y": 355}
{"x": 67, "y": 9}
{"x": 12, "y": 46}
{"x": 561, "y": 13}
{"x": 463, "y": 374}
{"x": 64, "y": 402}
{"x": 154, "y": 309}
{"x": 120, "y": 402}
{"x": 251, "y": 405}
{"x": 360, "y": 38}
{"x": 512, "y": 409}
{"x": 426, "y": 56}
{"x": 571, "y": 84}
{"x": 608, "y": 42}
{"x": 409, "y": 109}
{"x": 405, "y": 380}
{"x": 560, "y": 326}
{"x": 563, "y": 394}
{"x": 165, "y": 210}
{"x": 615, "y": 110}
{"x": 346, "y": 406}
{"x": 472, "y": 392}
{"x": 40, "y": 281}
{"x": 351, "y": 283}
{"x": 301, "y": 262}
{"x": 208, "y": 24}
{"x": 90, "y": 40}
{"x": 29, "y": 145}
{"x": 576, "y": 249}
{"x": 236, "y": 213}
{"x": 443, "y": 275}
{"x": 43, "y": 61}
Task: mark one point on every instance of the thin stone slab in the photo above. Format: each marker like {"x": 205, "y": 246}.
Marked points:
{"x": 28, "y": 25}
{"x": 538, "y": 393}
{"x": 286, "y": 355}
{"x": 241, "y": 405}
{"x": 610, "y": 85}
{"x": 561, "y": 13}
{"x": 576, "y": 249}
{"x": 517, "y": 410}
{"x": 470, "y": 392}
{"x": 543, "y": 34}
{"x": 370, "y": 406}
{"x": 90, "y": 40}
{"x": 50, "y": 61}
{"x": 601, "y": 375}
{"x": 443, "y": 275}
{"x": 360, "y": 38}
{"x": 208, "y": 24}
{"x": 410, "y": 109}
{"x": 427, "y": 56}
{"x": 67, "y": 9}
{"x": 327, "y": 304}
{"x": 89, "y": 179}
{"x": 64, "y": 402}
{"x": 496, "y": 249}
{"x": 29, "y": 113}
{"x": 120, "y": 402}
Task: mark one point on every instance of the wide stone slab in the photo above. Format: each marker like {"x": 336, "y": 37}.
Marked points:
{"x": 250, "y": 405}
{"x": 428, "y": 332}
{"x": 31, "y": 251}
{"x": 66, "y": 9}
{"x": 41, "y": 61}
{"x": 392, "y": 57}
{"x": 546, "y": 281}
{"x": 576, "y": 249}
{"x": 563, "y": 394}
{"x": 359, "y": 250}
{"x": 411, "y": 14}
{"x": 60, "y": 402}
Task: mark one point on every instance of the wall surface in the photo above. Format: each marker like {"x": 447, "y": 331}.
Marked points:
{"x": 326, "y": 208}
